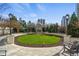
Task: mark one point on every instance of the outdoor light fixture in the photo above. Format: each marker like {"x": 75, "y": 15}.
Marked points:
{"x": 10, "y": 23}
{"x": 67, "y": 18}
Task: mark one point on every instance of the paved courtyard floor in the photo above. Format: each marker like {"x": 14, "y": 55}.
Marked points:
{"x": 15, "y": 50}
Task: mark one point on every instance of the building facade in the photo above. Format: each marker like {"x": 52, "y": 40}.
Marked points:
{"x": 42, "y": 21}
{"x": 77, "y": 10}
{"x": 63, "y": 21}
{"x": 3, "y": 30}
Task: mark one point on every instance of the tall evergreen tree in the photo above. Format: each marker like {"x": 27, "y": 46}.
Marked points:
{"x": 72, "y": 30}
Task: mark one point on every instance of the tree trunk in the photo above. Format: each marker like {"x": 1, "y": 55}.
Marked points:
{"x": 10, "y": 31}
{"x": 17, "y": 30}
{"x": 3, "y": 31}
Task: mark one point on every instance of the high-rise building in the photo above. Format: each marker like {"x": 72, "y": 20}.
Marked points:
{"x": 63, "y": 21}
{"x": 77, "y": 10}
{"x": 42, "y": 21}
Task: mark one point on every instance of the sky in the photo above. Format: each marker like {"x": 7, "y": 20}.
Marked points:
{"x": 51, "y": 12}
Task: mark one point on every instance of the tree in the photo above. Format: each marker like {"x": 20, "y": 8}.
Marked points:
{"x": 23, "y": 25}
{"x": 12, "y": 17}
{"x": 13, "y": 23}
{"x": 72, "y": 30}
{"x": 56, "y": 27}
{"x": 77, "y": 24}
{"x": 62, "y": 29}
{"x": 29, "y": 26}
{"x": 52, "y": 28}
{"x": 10, "y": 21}
{"x": 47, "y": 28}
{"x": 2, "y": 24}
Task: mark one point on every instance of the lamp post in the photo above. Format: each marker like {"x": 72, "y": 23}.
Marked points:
{"x": 10, "y": 24}
{"x": 67, "y": 19}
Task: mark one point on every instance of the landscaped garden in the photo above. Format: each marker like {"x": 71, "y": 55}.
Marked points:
{"x": 37, "y": 40}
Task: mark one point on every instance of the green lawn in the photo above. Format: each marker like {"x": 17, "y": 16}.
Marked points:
{"x": 37, "y": 39}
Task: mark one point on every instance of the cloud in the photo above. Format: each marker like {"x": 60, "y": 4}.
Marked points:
{"x": 40, "y": 7}
{"x": 33, "y": 15}
{"x": 11, "y": 8}
{"x": 27, "y": 5}
{"x": 4, "y": 16}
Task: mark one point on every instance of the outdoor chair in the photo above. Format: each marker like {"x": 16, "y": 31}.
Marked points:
{"x": 71, "y": 48}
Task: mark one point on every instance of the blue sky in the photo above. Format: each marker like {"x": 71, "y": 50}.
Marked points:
{"x": 51, "y": 12}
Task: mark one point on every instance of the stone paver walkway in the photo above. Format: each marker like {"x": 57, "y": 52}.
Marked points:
{"x": 15, "y": 50}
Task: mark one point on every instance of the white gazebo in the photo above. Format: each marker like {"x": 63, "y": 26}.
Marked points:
{"x": 38, "y": 27}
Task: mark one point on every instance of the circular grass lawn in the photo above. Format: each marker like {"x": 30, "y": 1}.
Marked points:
{"x": 39, "y": 40}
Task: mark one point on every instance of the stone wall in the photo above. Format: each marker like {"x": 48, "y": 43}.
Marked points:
{"x": 10, "y": 39}
{"x": 67, "y": 39}
{"x": 6, "y": 31}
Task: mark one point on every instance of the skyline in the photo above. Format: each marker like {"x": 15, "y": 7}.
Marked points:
{"x": 51, "y": 12}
